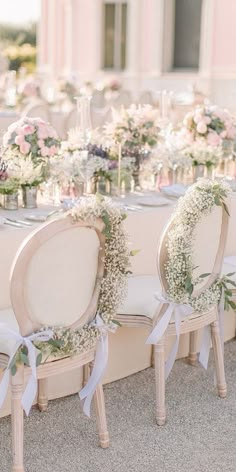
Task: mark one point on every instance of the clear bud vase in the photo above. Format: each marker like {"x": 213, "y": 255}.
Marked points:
{"x": 83, "y": 122}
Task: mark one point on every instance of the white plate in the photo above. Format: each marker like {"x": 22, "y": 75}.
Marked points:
{"x": 174, "y": 191}
{"x": 153, "y": 201}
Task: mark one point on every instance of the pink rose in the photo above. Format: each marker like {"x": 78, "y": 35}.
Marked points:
{"x": 25, "y": 148}
{"x": 231, "y": 133}
{"x": 197, "y": 117}
{"x": 28, "y": 129}
{"x": 201, "y": 127}
{"x": 45, "y": 151}
{"x": 42, "y": 132}
{"x": 20, "y": 139}
{"x": 223, "y": 134}
{"x": 213, "y": 139}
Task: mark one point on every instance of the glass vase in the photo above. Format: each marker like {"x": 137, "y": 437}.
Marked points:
{"x": 83, "y": 122}
{"x": 198, "y": 171}
{"x": 10, "y": 201}
{"x": 29, "y": 196}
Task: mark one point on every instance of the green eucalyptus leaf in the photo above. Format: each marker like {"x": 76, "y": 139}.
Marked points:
{"x": 230, "y": 274}
{"x": 39, "y": 359}
{"x": 24, "y": 358}
{"x": 134, "y": 252}
{"x": 13, "y": 370}
{"x": 206, "y": 274}
{"x": 116, "y": 323}
{"x": 232, "y": 304}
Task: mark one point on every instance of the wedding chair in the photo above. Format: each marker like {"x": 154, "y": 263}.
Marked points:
{"x": 37, "y": 109}
{"x": 100, "y": 116}
{"x": 124, "y": 99}
{"x": 146, "y": 98}
{"x": 55, "y": 281}
{"x": 98, "y": 100}
{"x": 141, "y": 309}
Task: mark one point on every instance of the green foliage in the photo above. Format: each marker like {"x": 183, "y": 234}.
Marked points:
{"x": 18, "y": 35}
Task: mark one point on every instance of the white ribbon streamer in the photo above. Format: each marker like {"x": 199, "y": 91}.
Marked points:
{"x": 99, "y": 367}
{"x": 206, "y": 337}
{"x": 31, "y": 388}
{"x": 179, "y": 311}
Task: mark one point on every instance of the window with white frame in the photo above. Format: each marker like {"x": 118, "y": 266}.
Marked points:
{"x": 183, "y": 20}
{"x": 114, "y": 37}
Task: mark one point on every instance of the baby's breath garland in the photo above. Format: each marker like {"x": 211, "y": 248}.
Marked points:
{"x": 65, "y": 341}
{"x": 199, "y": 200}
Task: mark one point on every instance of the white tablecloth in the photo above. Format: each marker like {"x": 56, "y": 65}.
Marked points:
{"x": 128, "y": 352}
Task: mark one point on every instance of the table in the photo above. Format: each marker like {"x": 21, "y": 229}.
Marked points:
{"x": 128, "y": 352}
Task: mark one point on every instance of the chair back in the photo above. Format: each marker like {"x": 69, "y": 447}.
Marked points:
{"x": 38, "y": 109}
{"x": 56, "y": 275}
{"x": 146, "y": 98}
{"x": 208, "y": 245}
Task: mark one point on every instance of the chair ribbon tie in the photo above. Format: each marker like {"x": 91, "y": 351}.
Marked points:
{"x": 100, "y": 364}
{"x": 180, "y": 311}
{"x": 31, "y": 387}
{"x": 206, "y": 337}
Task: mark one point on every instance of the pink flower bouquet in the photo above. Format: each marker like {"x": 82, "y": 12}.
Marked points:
{"x": 204, "y": 133}
{"x": 31, "y": 136}
{"x": 210, "y": 123}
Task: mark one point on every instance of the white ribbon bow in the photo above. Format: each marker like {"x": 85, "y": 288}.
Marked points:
{"x": 31, "y": 388}
{"x": 180, "y": 311}
{"x": 206, "y": 337}
{"x": 100, "y": 364}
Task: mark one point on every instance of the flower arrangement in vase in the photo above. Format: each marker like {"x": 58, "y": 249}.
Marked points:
{"x": 135, "y": 129}
{"x": 27, "y": 146}
{"x": 204, "y": 132}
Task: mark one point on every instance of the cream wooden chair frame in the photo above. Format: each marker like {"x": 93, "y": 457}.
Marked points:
{"x": 27, "y": 326}
{"x": 190, "y": 325}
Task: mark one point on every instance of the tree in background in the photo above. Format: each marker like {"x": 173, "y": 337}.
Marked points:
{"x": 18, "y": 45}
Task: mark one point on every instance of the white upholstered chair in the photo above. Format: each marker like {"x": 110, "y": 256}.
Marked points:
{"x": 141, "y": 309}
{"x": 55, "y": 281}
{"x": 38, "y": 109}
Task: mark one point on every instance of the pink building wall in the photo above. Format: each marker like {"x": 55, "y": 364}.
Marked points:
{"x": 224, "y": 36}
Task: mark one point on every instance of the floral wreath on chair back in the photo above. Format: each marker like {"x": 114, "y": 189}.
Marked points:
{"x": 179, "y": 280}
{"x": 64, "y": 341}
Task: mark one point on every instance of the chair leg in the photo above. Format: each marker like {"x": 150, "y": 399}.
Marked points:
{"x": 101, "y": 416}
{"x": 17, "y": 420}
{"x": 192, "y": 358}
{"x": 43, "y": 394}
{"x": 219, "y": 359}
{"x": 160, "y": 382}
{"x": 86, "y": 374}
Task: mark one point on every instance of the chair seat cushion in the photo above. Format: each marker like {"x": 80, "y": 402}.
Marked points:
{"x": 140, "y": 298}
{"x": 7, "y": 316}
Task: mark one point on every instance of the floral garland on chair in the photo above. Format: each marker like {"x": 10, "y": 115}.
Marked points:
{"x": 66, "y": 341}
{"x": 199, "y": 200}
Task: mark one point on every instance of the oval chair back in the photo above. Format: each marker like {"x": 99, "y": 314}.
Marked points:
{"x": 56, "y": 275}
{"x": 38, "y": 110}
{"x": 208, "y": 244}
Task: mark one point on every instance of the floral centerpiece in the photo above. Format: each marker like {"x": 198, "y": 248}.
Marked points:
{"x": 30, "y": 142}
{"x": 135, "y": 129}
{"x": 204, "y": 131}
{"x": 9, "y": 186}
{"x": 76, "y": 164}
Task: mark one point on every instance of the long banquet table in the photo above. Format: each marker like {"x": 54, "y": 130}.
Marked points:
{"x": 128, "y": 353}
